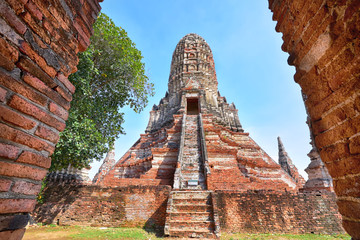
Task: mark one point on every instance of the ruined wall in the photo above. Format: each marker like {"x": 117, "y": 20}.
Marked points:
{"x": 323, "y": 40}
{"x": 107, "y": 207}
{"x": 278, "y": 212}
{"x": 39, "y": 42}
{"x": 250, "y": 211}
{"x": 151, "y": 160}
{"x": 237, "y": 163}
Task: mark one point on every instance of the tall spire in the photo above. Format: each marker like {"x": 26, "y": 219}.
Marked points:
{"x": 288, "y": 166}
{"x": 283, "y": 156}
{"x": 319, "y": 178}
{"x": 108, "y": 162}
{"x": 192, "y": 75}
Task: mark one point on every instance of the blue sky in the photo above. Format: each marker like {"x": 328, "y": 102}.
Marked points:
{"x": 251, "y": 68}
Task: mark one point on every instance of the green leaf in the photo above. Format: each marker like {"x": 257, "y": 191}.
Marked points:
{"x": 110, "y": 76}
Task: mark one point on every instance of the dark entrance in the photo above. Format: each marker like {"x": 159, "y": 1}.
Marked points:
{"x": 192, "y": 106}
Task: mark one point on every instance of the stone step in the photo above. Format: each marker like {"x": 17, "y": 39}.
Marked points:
{"x": 191, "y": 170}
{"x": 191, "y": 159}
{"x": 181, "y": 201}
{"x": 191, "y": 151}
{"x": 191, "y": 175}
{"x": 191, "y": 194}
{"x": 191, "y": 216}
{"x": 195, "y": 225}
{"x": 192, "y": 208}
{"x": 191, "y": 233}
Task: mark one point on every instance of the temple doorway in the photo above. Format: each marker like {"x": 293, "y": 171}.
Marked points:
{"x": 192, "y": 106}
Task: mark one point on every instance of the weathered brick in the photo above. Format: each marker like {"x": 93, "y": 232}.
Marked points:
{"x": 13, "y": 221}
{"x": 9, "y": 151}
{"x": 340, "y": 132}
{"x": 20, "y": 88}
{"x": 43, "y": 6}
{"x": 10, "y": 33}
{"x": 59, "y": 111}
{"x": 354, "y": 145}
{"x": 34, "y": 159}
{"x": 84, "y": 41}
{"x": 10, "y": 116}
{"x": 16, "y": 205}
{"x": 5, "y": 185}
{"x": 40, "y": 86}
{"x": 17, "y": 5}
{"x": 63, "y": 93}
{"x": 66, "y": 82}
{"x": 3, "y": 93}
{"x": 13, "y": 234}
{"x": 335, "y": 152}
{"x": 8, "y": 51}
{"x": 21, "y": 171}
{"x": 5, "y": 63}
{"x": 329, "y": 121}
{"x": 26, "y": 188}
{"x": 35, "y": 12}
{"x": 47, "y": 133}
{"x": 344, "y": 166}
{"x": 32, "y": 110}
{"x": 8, "y": 14}
{"x": 36, "y": 26}
{"x": 39, "y": 42}
{"x": 63, "y": 20}
{"x": 50, "y": 46}
{"x": 28, "y": 66}
{"x": 353, "y": 228}
{"x": 26, "y": 49}
{"x": 21, "y": 137}
{"x": 349, "y": 209}
{"x": 348, "y": 186}
{"x": 49, "y": 27}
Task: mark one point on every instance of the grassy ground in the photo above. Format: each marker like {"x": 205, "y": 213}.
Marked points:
{"x": 52, "y": 232}
{"x": 283, "y": 237}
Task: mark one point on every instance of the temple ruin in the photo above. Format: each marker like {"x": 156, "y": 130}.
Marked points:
{"x": 197, "y": 156}
{"x": 194, "y": 138}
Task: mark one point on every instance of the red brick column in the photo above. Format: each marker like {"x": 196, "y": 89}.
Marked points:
{"x": 39, "y": 42}
{"x": 323, "y": 40}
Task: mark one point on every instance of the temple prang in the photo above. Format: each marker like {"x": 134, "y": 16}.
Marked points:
{"x": 288, "y": 166}
{"x": 194, "y": 125}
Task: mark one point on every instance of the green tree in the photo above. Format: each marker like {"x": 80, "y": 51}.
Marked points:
{"x": 110, "y": 76}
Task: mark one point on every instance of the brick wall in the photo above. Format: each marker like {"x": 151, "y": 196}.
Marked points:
{"x": 323, "y": 40}
{"x": 39, "y": 42}
{"x": 278, "y": 212}
{"x": 110, "y": 207}
{"x": 250, "y": 211}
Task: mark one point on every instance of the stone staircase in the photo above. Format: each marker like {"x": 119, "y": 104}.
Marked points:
{"x": 190, "y": 214}
{"x": 190, "y": 210}
{"x": 192, "y": 169}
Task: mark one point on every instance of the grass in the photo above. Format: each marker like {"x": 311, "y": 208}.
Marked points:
{"x": 268, "y": 236}
{"x": 53, "y": 232}
{"x": 78, "y": 233}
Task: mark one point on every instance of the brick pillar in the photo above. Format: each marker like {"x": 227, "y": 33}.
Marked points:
{"x": 39, "y": 42}
{"x": 323, "y": 40}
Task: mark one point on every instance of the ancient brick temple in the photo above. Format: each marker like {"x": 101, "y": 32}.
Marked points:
{"x": 194, "y": 142}
{"x": 194, "y": 139}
